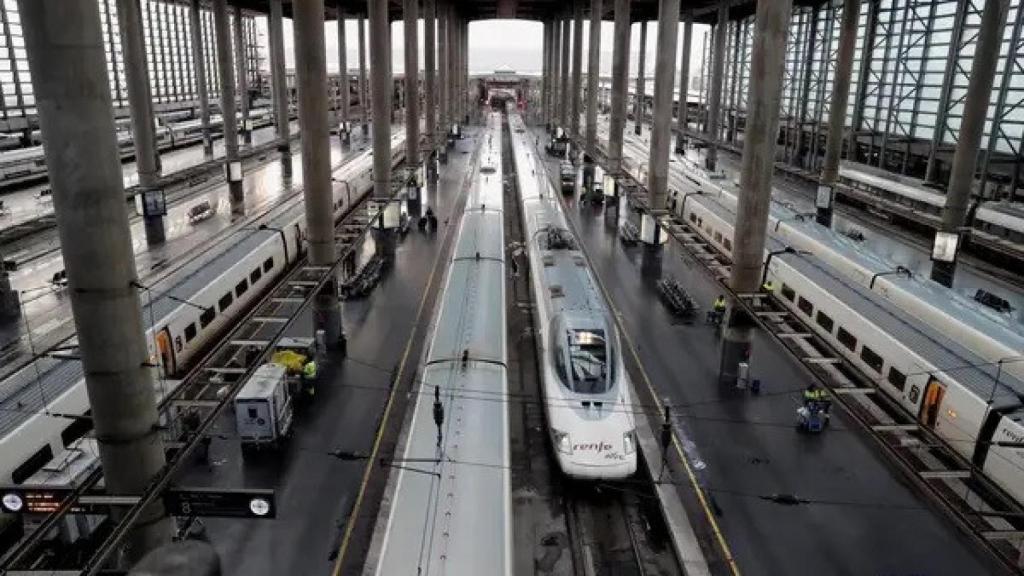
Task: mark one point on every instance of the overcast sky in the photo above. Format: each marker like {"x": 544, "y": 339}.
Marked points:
{"x": 493, "y": 44}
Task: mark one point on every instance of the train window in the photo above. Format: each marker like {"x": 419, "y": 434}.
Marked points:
{"x": 805, "y": 306}
{"x": 255, "y": 276}
{"x": 897, "y": 379}
{"x": 32, "y": 465}
{"x": 788, "y": 293}
{"x": 206, "y": 317}
{"x": 190, "y": 332}
{"x": 241, "y": 287}
{"x": 225, "y": 301}
{"x": 825, "y": 321}
{"x": 268, "y": 264}
{"x": 718, "y": 237}
{"x": 728, "y": 244}
{"x": 846, "y": 339}
{"x": 693, "y": 217}
{"x": 79, "y": 427}
{"x": 871, "y": 359}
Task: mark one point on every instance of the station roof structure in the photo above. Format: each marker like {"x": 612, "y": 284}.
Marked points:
{"x": 703, "y": 11}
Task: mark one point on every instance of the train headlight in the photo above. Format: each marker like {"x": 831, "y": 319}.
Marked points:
{"x": 562, "y": 441}
{"x": 629, "y": 442}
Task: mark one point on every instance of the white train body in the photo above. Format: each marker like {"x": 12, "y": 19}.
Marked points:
{"x": 466, "y": 364}
{"x": 182, "y": 321}
{"x": 986, "y": 333}
{"x": 587, "y": 393}
{"x": 936, "y": 370}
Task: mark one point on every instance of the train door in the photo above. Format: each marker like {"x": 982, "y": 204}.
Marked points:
{"x": 933, "y": 395}
{"x": 163, "y": 344}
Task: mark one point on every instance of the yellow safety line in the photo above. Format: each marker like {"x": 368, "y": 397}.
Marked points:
{"x": 380, "y": 431}
{"x": 675, "y": 442}
{"x": 387, "y": 410}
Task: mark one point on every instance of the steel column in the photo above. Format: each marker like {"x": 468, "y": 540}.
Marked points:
{"x": 232, "y": 163}
{"x": 684, "y": 84}
{"x": 593, "y": 76}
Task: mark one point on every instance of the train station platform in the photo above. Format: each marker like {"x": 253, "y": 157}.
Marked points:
{"x": 327, "y": 503}
{"x": 855, "y": 513}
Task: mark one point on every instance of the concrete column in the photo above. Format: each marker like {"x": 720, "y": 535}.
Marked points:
{"x": 545, "y": 80}
{"x": 837, "y": 110}
{"x": 556, "y": 72}
{"x": 429, "y": 72}
{"x": 363, "y": 104}
{"x": 468, "y": 99}
{"x": 713, "y": 130}
{"x": 199, "y": 66}
{"x": 140, "y": 103}
{"x": 241, "y": 65}
{"x": 458, "y": 94}
{"x": 577, "y": 66}
{"x": 453, "y": 65}
{"x": 346, "y": 93}
{"x": 638, "y": 103}
{"x": 664, "y": 82}
{"x": 380, "y": 53}
{"x": 311, "y": 85}
{"x": 684, "y": 84}
{"x": 976, "y": 103}
{"x": 566, "y": 76}
{"x": 76, "y": 117}
{"x": 620, "y": 73}
{"x": 758, "y": 164}
{"x": 593, "y": 76}
{"x": 232, "y": 163}
{"x": 410, "y": 15}
{"x": 444, "y": 90}
{"x": 278, "y": 78}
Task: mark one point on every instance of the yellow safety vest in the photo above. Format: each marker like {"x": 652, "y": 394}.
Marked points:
{"x": 309, "y": 370}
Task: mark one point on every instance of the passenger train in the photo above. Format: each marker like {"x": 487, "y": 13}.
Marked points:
{"x": 907, "y": 198}
{"x": 452, "y": 513}
{"x": 27, "y": 164}
{"x": 587, "y": 392}
{"x": 931, "y": 369}
{"x": 987, "y": 333}
{"x": 182, "y": 322}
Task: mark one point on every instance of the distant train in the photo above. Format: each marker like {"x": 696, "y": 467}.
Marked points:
{"x": 587, "y": 393}
{"x": 999, "y": 222}
{"x": 22, "y": 165}
{"x": 936, "y": 370}
{"x": 182, "y": 322}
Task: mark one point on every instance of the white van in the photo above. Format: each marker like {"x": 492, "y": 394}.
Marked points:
{"x": 263, "y": 408}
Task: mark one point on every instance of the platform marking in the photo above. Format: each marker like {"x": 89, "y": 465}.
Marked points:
{"x": 719, "y": 537}
{"x": 349, "y": 524}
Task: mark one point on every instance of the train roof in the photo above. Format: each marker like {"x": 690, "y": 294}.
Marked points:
{"x": 950, "y": 357}
{"x": 1004, "y": 214}
{"x": 893, "y": 183}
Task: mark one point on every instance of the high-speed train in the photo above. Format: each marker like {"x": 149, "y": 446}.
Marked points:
{"x": 452, "y": 512}
{"x": 1001, "y": 219}
{"x": 968, "y": 400}
{"x": 587, "y": 393}
{"x": 987, "y": 333}
{"x": 203, "y": 300}
{"x": 28, "y": 163}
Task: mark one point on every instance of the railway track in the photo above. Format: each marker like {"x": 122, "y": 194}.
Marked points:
{"x": 580, "y": 528}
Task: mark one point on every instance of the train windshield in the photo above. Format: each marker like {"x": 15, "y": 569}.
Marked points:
{"x": 588, "y": 361}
